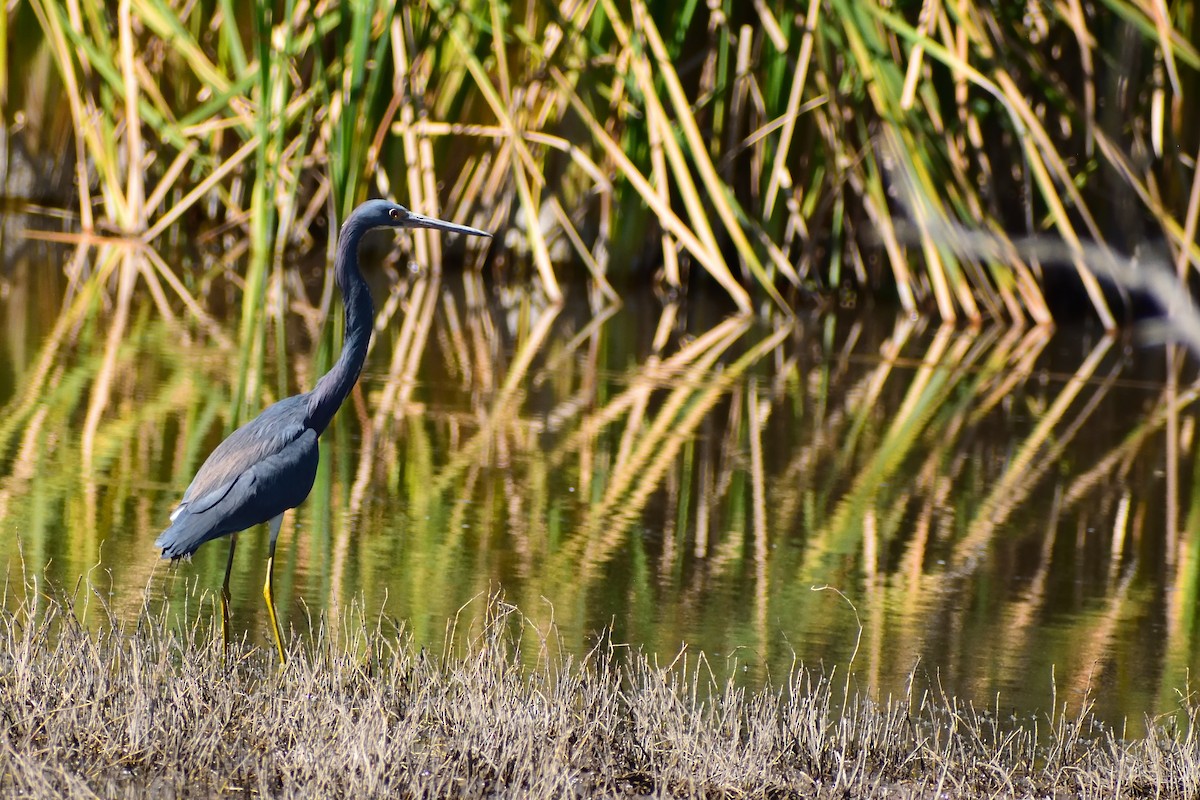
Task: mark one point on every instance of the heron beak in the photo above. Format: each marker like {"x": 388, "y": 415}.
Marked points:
{"x": 421, "y": 221}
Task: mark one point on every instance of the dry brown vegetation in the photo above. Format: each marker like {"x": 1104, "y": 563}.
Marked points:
{"x": 155, "y": 709}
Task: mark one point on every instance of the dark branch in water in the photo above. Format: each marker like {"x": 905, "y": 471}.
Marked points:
{"x": 1151, "y": 275}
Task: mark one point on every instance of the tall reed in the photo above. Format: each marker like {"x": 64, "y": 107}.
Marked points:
{"x": 738, "y": 142}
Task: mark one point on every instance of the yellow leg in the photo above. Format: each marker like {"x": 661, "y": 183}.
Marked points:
{"x": 271, "y": 612}
{"x": 269, "y": 595}
{"x": 225, "y": 598}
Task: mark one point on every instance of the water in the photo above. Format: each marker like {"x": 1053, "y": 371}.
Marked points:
{"x": 995, "y": 513}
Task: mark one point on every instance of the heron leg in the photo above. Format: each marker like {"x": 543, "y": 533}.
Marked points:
{"x": 225, "y": 597}
{"x": 267, "y": 592}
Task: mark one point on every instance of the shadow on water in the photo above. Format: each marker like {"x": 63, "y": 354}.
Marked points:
{"x": 1001, "y": 511}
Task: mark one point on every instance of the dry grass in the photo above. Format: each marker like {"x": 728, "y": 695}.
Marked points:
{"x": 152, "y": 708}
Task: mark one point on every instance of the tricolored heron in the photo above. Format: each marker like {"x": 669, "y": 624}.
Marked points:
{"x": 268, "y": 465}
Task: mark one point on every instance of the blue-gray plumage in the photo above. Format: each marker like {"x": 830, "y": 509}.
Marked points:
{"x": 268, "y": 465}
{"x": 262, "y": 469}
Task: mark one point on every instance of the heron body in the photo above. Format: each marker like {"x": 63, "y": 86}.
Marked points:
{"x": 264, "y": 468}
{"x": 268, "y": 465}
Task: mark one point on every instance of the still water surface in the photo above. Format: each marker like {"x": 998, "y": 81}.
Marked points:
{"x": 998, "y": 512}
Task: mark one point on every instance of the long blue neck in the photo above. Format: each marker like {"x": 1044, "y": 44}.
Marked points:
{"x": 335, "y": 385}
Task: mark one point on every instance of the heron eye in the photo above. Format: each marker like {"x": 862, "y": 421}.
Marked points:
{"x": 393, "y": 213}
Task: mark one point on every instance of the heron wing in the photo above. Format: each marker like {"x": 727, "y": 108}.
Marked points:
{"x": 262, "y": 490}
{"x": 260, "y": 439}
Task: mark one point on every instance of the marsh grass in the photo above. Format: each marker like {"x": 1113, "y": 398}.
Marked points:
{"x": 153, "y": 707}
{"x": 737, "y": 139}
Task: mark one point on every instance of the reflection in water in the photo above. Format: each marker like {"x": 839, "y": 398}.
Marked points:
{"x": 991, "y": 504}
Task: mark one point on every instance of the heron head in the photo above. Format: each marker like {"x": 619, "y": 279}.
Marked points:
{"x": 386, "y": 214}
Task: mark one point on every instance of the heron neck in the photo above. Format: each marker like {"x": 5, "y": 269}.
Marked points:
{"x": 334, "y": 386}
